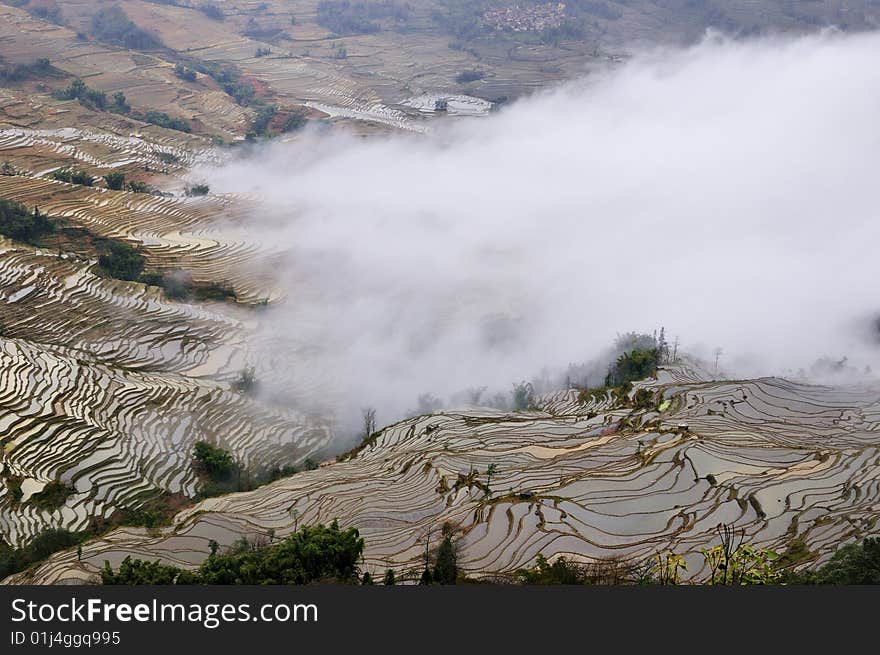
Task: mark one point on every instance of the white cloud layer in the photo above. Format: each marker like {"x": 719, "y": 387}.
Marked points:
{"x": 728, "y": 191}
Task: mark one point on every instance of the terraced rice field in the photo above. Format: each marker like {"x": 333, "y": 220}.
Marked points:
{"x": 100, "y": 149}
{"x": 105, "y": 385}
{"x": 590, "y": 480}
{"x": 202, "y": 236}
{"x": 146, "y": 79}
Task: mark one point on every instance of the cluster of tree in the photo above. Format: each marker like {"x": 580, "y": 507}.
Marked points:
{"x": 91, "y": 98}
{"x": 523, "y": 396}
{"x": 219, "y": 472}
{"x": 212, "y": 11}
{"x": 263, "y": 52}
{"x": 22, "y": 224}
{"x": 442, "y": 567}
{"x": 116, "y": 182}
{"x": 853, "y": 564}
{"x": 13, "y": 560}
{"x": 563, "y": 571}
{"x": 731, "y": 562}
{"x": 184, "y": 73}
{"x": 255, "y": 30}
{"x": 243, "y": 93}
{"x": 197, "y": 190}
{"x": 213, "y": 461}
{"x": 13, "y": 485}
{"x": 120, "y": 260}
{"x": 469, "y": 76}
{"x": 295, "y": 120}
{"x": 312, "y": 554}
{"x": 112, "y": 25}
{"x": 222, "y": 474}
{"x": 345, "y": 17}
{"x": 52, "y": 496}
{"x": 72, "y": 176}
{"x": 632, "y": 366}
{"x": 162, "y": 119}
{"x": 179, "y": 285}
{"x": 151, "y": 513}
{"x": 462, "y": 47}
{"x": 229, "y": 79}
{"x": 10, "y": 73}
{"x": 571, "y": 29}
{"x": 246, "y": 382}
{"x": 120, "y": 104}
{"x": 167, "y": 157}
{"x": 461, "y": 18}
{"x": 94, "y": 99}
{"x": 260, "y": 123}
{"x": 46, "y": 10}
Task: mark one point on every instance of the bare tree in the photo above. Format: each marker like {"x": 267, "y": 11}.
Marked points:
{"x": 369, "y": 421}
{"x": 475, "y": 394}
{"x": 490, "y": 471}
{"x": 717, "y": 352}
{"x": 663, "y": 347}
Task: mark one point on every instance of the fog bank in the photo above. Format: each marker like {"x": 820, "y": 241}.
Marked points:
{"x": 727, "y": 191}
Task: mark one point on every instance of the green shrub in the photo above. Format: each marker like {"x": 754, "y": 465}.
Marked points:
{"x": 212, "y": 460}
{"x": 246, "y": 381}
{"x": 184, "y": 73}
{"x": 162, "y": 119}
{"x": 112, "y": 25}
{"x": 543, "y": 573}
{"x": 212, "y": 11}
{"x": 120, "y": 105}
{"x": 72, "y": 176}
{"x": 312, "y": 554}
{"x": 13, "y": 560}
{"x": 197, "y": 190}
{"x": 13, "y": 486}
{"x": 644, "y": 399}
{"x": 11, "y": 73}
{"x": 852, "y": 564}
{"x": 121, "y": 261}
{"x": 260, "y": 124}
{"x": 91, "y": 98}
{"x": 345, "y": 17}
{"x": 446, "y": 564}
{"x": 632, "y": 366}
{"x": 140, "y": 572}
{"x": 53, "y": 496}
{"x": 469, "y": 76}
{"x": 523, "y": 396}
{"x": 114, "y": 180}
{"x": 295, "y": 120}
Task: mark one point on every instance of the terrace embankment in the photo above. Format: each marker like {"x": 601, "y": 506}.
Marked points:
{"x": 590, "y": 480}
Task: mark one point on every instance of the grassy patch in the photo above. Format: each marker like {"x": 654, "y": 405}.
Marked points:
{"x": 53, "y": 496}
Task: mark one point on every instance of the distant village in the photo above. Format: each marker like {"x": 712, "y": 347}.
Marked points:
{"x": 533, "y": 18}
